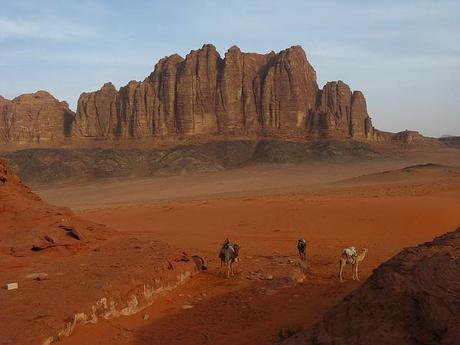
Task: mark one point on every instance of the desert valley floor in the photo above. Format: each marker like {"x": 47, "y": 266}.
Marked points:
{"x": 381, "y": 205}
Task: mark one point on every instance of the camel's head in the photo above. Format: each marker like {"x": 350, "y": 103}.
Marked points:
{"x": 364, "y": 250}
{"x": 236, "y": 248}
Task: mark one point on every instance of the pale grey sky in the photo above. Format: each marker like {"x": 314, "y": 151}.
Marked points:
{"x": 404, "y": 55}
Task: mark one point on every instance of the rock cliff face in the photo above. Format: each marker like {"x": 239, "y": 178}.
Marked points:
{"x": 242, "y": 93}
{"x": 414, "y": 298}
{"x": 36, "y": 117}
{"x": 341, "y": 112}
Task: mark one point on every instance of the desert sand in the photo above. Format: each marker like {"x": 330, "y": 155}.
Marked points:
{"x": 266, "y": 211}
{"x": 115, "y": 202}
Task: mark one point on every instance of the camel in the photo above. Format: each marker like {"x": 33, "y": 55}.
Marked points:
{"x": 301, "y": 247}
{"x": 350, "y": 256}
{"x": 229, "y": 255}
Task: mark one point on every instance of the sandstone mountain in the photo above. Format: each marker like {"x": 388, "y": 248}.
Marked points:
{"x": 414, "y": 298}
{"x": 204, "y": 95}
{"x": 242, "y": 93}
{"x": 36, "y": 117}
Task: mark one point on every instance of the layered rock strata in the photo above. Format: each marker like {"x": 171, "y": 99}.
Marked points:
{"x": 34, "y": 118}
{"x": 203, "y": 95}
{"x": 240, "y": 94}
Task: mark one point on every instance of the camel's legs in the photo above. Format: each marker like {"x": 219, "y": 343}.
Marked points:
{"x": 228, "y": 269}
{"x": 342, "y": 263}
{"x": 356, "y": 270}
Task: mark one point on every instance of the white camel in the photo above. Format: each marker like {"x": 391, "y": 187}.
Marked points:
{"x": 350, "y": 256}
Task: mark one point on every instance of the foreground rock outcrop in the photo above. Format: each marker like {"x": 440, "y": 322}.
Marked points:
{"x": 34, "y": 118}
{"x": 30, "y": 225}
{"x": 242, "y": 93}
{"x": 414, "y": 298}
{"x": 72, "y": 271}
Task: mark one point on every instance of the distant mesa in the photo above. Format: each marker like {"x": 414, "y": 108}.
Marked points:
{"x": 34, "y": 118}
{"x": 203, "y": 94}
{"x": 451, "y": 141}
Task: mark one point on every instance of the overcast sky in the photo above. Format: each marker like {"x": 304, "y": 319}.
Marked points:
{"x": 404, "y": 55}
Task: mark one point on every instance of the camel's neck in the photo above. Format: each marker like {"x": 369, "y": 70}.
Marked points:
{"x": 361, "y": 256}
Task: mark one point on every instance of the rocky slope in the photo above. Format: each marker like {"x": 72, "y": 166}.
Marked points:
{"x": 20, "y": 209}
{"x": 242, "y": 93}
{"x": 414, "y": 298}
{"x": 36, "y": 117}
{"x": 40, "y": 166}
{"x": 70, "y": 270}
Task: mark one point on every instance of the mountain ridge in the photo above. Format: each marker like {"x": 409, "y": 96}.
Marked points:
{"x": 204, "y": 94}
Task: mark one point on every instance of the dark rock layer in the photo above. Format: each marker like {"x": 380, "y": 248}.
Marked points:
{"x": 40, "y": 166}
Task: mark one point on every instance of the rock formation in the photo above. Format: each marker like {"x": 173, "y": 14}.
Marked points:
{"x": 452, "y": 141}
{"x": 20, "y": 213}
{"x": 411, "y": 137}
{"x": 242, "y": 93}
{"x": 8, "y": 179}
{"x": 36, "y": 117}
{"x": 414, "y": 298}
{"x": 71, "y": 271}
{"x": 341, "y": 112}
